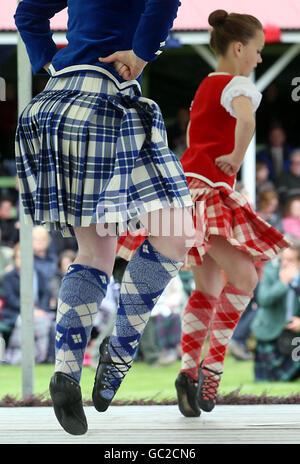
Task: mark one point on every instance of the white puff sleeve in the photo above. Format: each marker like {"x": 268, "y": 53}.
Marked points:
{"x": 238, "y": 86}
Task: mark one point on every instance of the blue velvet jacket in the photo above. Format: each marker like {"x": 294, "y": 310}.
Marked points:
{"x": 96, "y": 28}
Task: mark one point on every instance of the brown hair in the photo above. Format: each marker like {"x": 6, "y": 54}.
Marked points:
{"x": 266, "y": 196}
{"x": 232, "y": 27}
{"x": 287, "y": 206}
{"x": 260, "y": 165}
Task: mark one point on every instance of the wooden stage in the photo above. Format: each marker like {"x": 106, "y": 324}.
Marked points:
{"x": 156, "y": 425}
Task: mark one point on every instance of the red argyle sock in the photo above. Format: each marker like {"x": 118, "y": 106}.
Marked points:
{"x": 195, "y": 324}
{"x": 229, "y": 309}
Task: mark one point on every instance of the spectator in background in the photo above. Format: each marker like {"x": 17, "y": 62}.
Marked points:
{"x": 238, "y": 345}
{"x": 278, "y": 309}
{"x": 291, "y": 221}
{"x": 268, "y": 208}
{"x": 62, "y": 244}
{"x": 104, "y": 322}
{"x": 6, "y": 262}
{"x": 167, "y": 320}
{"x": 289, "y": 182}
{"x": 45, "y": 256}
{"x": 65, "y": 259}
{"x": 11, "y": 312}
{"x": 160, "y": 343}
{"x": 9, "y": 225}
{"x": 262, "y": 178}
{"x": 177, "y": 132}
{"x": 276, "y": 154}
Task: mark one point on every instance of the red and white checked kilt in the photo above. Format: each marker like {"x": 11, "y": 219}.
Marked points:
{"x": 128, "y": 243}
{"x": 224, "y": 212}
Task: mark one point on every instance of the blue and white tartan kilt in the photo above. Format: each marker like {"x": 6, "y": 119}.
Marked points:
{"x": 88, "y": 152}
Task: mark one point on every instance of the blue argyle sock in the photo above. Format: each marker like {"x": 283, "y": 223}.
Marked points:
{"x": 82, "y": 291}
{"x": 145, "y": 278}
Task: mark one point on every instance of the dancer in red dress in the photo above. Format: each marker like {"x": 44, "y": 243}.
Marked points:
{"x": 230, "y": 236}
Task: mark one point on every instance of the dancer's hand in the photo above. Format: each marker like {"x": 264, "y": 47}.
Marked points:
{"x": 227, "y": 164}
{"x": 287, "y": 273}
{"x": 47, "y": 66}
{"x": 294, "y": 325}
{"x": 126, "y": 63}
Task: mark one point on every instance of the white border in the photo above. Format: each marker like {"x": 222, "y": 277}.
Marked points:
{"x": 207, "y": 181}
{"x": 86, "y": 67}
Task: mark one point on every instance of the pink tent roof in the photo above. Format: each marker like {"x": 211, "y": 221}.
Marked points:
{"x": 193, "y": 14}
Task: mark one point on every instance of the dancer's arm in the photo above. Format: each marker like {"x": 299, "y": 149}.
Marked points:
{"x": 32, "y": 20}
{"x": 271, "y": 288}
{"x": 150, "y": 35}
{"x": 153, "y": 28}
{"x": 245, "y": 126}
{"x": 188, "y": 135}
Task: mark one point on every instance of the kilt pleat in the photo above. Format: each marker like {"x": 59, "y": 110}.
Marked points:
{"x": 87, "y": 152}
{"x": 224, "y": 212}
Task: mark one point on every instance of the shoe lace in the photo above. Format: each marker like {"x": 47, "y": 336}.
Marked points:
{"x": 116, "y": 374}
{"x": 210, "y": 387}
{"x": 210, "y": 384}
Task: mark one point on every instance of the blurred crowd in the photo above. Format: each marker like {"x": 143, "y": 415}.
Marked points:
{"x": 268, "y": 327}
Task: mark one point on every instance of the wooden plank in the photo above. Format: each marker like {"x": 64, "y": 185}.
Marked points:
{"x": 156, "y": 425}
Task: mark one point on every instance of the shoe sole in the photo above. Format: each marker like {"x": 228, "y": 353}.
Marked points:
{"x": 205, "y": 407}
{"x": 183, "y": 404}
{"x": 68, "y": 415}
{"x": 99, "y": 403}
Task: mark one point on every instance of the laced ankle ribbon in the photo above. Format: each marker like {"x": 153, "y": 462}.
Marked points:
{"x": 210, "y": 384}
{"x": 113, "y": 380}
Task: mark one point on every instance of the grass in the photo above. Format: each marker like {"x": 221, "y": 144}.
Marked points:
{"x": 144, "y": 382}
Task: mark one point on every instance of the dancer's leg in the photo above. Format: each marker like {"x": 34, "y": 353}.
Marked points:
{"x": 195, "y": 325}
{"x": 145, "y": 278}
{"x": 82, "y": 290}
{"x": 198, "y": 314}
{"x": 231, "y": 304}
{"x": 242, "y": 280}
{"x": 237, "y": 265}
{"x": 229, "y": 309}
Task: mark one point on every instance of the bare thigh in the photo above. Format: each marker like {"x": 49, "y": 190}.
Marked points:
{"x": 95, "y": 250}
{"x": 237, "y": 265}
{"x": 208, "y": 277}
{"x": 171, "y": 231}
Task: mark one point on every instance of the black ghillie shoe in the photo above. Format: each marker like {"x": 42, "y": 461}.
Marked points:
{"x": 109, "y": 376}
{"x": 67, "y": 402}
{"x": 187, "y": 389}
{"x": 208, "y": 388}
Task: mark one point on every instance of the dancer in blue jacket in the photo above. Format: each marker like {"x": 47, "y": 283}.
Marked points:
{"x": 92, "y": 159}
